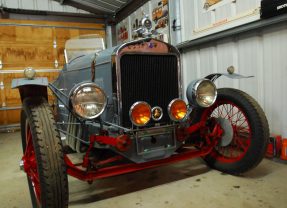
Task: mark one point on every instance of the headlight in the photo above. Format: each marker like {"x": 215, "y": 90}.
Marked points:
{"x": 140, "y": 113}
{"x": 177, "y": 110}
{"x": 88, "y": 100}
{"x": 202, "y": 93}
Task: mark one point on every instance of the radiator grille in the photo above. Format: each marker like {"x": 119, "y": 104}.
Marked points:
{"x": 149, "y": 78}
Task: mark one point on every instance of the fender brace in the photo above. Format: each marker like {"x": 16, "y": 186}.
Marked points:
{"x": 215, "y": 76}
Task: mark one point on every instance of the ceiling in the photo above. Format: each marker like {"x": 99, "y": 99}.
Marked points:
{"x": 105, "y": 7}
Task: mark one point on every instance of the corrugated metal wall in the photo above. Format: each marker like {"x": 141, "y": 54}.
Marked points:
{"x": 261, "y": 53}
{"x": 42, "y": 5}
{"x": 198, "y": 21}
{"x": 125, "y": 28}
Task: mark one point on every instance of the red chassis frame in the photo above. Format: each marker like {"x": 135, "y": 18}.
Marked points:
{"x": 186, "y": 154}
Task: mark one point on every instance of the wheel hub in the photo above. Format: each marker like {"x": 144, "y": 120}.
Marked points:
{"x": 227, "y": 135}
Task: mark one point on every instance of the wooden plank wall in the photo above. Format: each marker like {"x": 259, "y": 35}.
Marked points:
{"x": 36, "y": 44}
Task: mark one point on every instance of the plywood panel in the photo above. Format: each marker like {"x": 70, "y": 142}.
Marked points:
{"x": 1, "y": 97}
{"x": 26, "y": 46}
{"x": 34, "y": 34}
{"x": 74, "y": 33}
{"x": 9, "y": 117}
{"x": 62, "y": 34}
{"x": 27, "y": 55}
{"x": 89, "y": 32}
{"x": 31, "y": 45}
{"x": 8, "y": 34}
{"x": 12, "y": 96}
{"x": 60, "y": 57}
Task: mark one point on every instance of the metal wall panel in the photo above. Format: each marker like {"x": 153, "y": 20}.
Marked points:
{"x": 262, "y": 54}
{"x": 245, "y": 5}
{"x": 129, "y": 22}
{"x": 199, "y": 22}
{"x": 42, "y": 5}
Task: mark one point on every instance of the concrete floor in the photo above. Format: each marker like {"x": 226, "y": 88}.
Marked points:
{"x": 184, "y": 185}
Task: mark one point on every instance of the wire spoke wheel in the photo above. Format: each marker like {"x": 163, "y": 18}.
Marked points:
{"x": 246, "y": 131}
{"x": 241, "y": 139}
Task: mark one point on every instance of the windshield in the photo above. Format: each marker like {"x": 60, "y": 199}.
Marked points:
{"x": 82, "y": 45}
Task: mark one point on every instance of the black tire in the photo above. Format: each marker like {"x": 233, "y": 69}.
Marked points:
{"x": 37, "y": 117}
{"x": 258, "y": 130}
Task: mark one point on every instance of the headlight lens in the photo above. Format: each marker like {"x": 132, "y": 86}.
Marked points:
{"x": 88, "y": 100}
{"x": 177, "y": 110}
{"x": 140, "y": 113}
{"x": 202, "y": 93}
{"x": 206, "y": 93}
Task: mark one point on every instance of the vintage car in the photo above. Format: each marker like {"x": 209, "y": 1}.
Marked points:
{"x": 122, "y": 110}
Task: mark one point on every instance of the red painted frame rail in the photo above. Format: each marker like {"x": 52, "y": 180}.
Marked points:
{"x": 186, "y": 154}
{"x": 128, "y": 168}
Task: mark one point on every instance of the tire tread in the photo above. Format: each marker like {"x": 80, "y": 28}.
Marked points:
{"x": 260, "y": 135}
{"x": 49, "y": 153}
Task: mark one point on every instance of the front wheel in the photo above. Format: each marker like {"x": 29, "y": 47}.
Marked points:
{"x": 43, "y": 159}
{"x": 246, "y": 131}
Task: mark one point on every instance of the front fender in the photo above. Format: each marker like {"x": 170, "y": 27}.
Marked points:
{"x": 31, "y": 88}
{"x": 40, "y": 81}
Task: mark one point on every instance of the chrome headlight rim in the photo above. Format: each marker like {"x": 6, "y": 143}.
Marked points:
{"x": 79, "y": 87}
{"x": 197, "y": 85}
{"x": 169, "y": 110}
{"x": 133, "y": 107}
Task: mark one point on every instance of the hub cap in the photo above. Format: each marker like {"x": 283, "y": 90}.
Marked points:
{"x": 228, "y": 131}
{"x": 237, "y": 131}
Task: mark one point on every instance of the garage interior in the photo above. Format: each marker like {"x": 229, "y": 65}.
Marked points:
{"x": 212, "y": 36}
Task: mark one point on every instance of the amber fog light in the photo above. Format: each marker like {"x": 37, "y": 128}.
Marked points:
{"x": 177, "y": 110}
{"x": 140, "y": 113}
